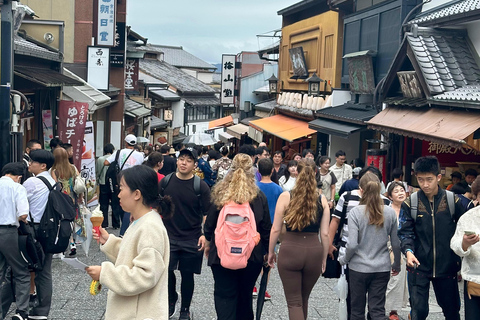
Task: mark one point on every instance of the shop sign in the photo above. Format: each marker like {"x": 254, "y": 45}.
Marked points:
{"x": 449, "y": 156}
{"x": 131, "y": 74}
{"x": 88, "y": 164}
{"x": 116, "y": 60}
{"x": 228, "y": 79}
{"x": 98, "y": 71}
{"x": 106, "y": 23}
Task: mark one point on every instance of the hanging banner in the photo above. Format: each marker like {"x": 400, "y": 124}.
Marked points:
{"x": 228, "y": 79}
{"x": 88, "y": 164}
{"x": 72, "y": 117}
{"x": 47, "y": 128}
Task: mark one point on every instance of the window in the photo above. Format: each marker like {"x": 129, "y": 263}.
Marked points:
{"x": 203, "y": 113}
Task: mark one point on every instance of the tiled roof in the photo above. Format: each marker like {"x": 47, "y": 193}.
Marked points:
{"x": 445, "y": 59}
{"x": 267, "y": 106}
{"x": 402, "y": 101}
{"x": 202, "y": 101}
{"x": 177, "y": 57}
{"x": 157, "y": 123}
{"x": 24, "y": 47}
{"x": 451, "y": 10}
{"x": 149, "y": 79}
{"x": 45, "y": 77}
{"x": 349, "y": 112}
{"x": 173, "y": 76}
{"x": 467, "y": 93}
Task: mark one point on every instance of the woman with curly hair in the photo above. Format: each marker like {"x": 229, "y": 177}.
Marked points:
{"x": 302, "y": 258}
{"x": 233, "y": 288}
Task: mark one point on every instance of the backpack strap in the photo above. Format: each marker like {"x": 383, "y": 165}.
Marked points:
{"x": 414, "y": 205}
{"x": 123, "y": 164}
{"x": 164, "y": 183}
{"x": 49, "y": 186}
{"x": 196, "y": 187}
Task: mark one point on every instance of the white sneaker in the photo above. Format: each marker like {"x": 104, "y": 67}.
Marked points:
{"x": 37, "y": 318}
{"x": 58, "y": 256}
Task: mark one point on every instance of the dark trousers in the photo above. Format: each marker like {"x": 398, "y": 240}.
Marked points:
{"x": 472, "y": 305}
{"x": 117, "y": 211}
{"x": 125, "y": 223}
{"x": 233, "y": 291}
{"x": 373, "y": 284}
{"x": 104, "y": 199}
{"x": 187, "y": 287}
{"x": 446, "y": 292}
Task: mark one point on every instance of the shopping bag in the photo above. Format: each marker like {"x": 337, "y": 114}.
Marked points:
{"x": 341, "y": 289}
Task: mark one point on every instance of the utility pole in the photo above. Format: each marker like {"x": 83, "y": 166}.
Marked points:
{"x": 6, "y": 80}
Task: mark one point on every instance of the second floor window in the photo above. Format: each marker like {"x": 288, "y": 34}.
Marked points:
{"x": 199, "y": 113}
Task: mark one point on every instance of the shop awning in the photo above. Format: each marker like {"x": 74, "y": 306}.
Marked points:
{"x": 449, "y": 127}
{"x": 136, "y": 109}
{"x": 220, "y": 123}
{"x": 157, "y": 123}
{"x": 179, "y": 138}
{"x": 225, "y": 137}
{"x": 336, "y": 128}
{"x": 164, "y": 94}
{"x": 283, "y": 127}
{"x": 237, "y": 130}
{"x": 46, "y": 77}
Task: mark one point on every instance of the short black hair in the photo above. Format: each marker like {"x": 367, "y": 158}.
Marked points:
{"x": 108, "y": 148}
{"x": 14, "y": 168}
{"x": 278, "y": 152}
{"x": 179, "y": 146}
{"x": 43, "y": 156}
{"x": 373, "y": 170}
{"x": 224, "y": 150}
{"x": 154, "y": 158}
{"x": 460, "y": 188}
{"x": 321, "y": 160}
{"x": 259, "y": 151}
{"x": 217, "y": 146}
{"x": 428, "y": 164}
{"x": 358, "y": 162}
{"x": 66, "y": 146}
{"x": 397, "y": 173}
{"x": 307, "y": 151}
{"x": 471, "y": 172}
{"x": 31, "y": 142}
{"x": 265, "y": 167}
{"x": 340, "y": 153}
{"x": 55, "y": 142}
{"x": 165, "y": 148}
{"x": 247, "y": 149}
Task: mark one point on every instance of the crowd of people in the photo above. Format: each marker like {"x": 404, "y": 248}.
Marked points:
{"x": 303, "y": 215}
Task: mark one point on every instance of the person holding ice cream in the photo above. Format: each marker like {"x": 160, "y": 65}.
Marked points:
{"x": 137, "y": 273}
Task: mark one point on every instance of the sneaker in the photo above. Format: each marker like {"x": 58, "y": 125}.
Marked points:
{"x": 255, "y": 293}
{"x": 393, "y": 316}
{"x": 267, "y": 296}
{"x": 19, "y": 316}
{"x": 37, "y": 318}
{"x": 172, "y": 306}
{"x": 58, "y": 256}
{"x": 73, "y": 252}
{"x": 185, "y": 315}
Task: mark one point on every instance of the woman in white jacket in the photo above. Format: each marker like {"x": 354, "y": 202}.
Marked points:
{"x": 465, "y": 244}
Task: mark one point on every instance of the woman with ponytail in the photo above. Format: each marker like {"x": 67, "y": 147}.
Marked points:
{"x": 233, "y": 288}
{"x": 302, "y": 258}
{"x": 370, "y": 226}
{"x": 137, "y": 276}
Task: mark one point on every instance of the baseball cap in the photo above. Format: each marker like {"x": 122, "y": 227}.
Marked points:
{"x": 192, "y": 153}
{"x": 356, "y": 171}
{"x": 131, "y": 139}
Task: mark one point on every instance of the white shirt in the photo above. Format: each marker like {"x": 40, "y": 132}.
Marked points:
{"x": 37, "y": 194}
{"x": 342, "y": 174}
{"x": 135, "y": 159}
{"x": 13, "y": 202}
{"x": 287, "y": 186}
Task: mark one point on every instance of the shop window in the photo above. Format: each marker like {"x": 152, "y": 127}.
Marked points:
{"x": 203, "y": 113}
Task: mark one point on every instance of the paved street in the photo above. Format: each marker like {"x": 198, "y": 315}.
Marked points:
{"x": 72, "y": 300}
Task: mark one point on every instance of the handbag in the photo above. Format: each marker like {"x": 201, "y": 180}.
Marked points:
{"x": 473, "y": 289}
{"x": 333, "y": 269}
{"x": 79, "y": 185}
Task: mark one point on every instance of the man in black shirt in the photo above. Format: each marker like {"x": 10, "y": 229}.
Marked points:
{"x": 168, "y": 161}
{"x": 187, "y": 241}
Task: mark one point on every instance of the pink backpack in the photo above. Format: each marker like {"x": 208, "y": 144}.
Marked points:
{"x": 236, "y": 235}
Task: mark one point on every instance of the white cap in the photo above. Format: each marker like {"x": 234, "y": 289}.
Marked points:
{"x": 131, "y": 139}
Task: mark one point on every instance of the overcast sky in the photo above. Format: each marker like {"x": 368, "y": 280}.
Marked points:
{"x": 209, "y": 28}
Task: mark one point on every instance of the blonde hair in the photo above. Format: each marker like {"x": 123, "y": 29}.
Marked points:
{"x": 302, "y": 209}
{"x": 62, "y": 167}
{"x": 370, "y": 185}
{"x": 238, "y": 185}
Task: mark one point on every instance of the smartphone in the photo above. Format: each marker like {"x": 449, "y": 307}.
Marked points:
{"x": 469, "y": 233}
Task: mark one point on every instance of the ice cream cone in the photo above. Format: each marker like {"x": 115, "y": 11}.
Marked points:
{"x": 97, "y": 222}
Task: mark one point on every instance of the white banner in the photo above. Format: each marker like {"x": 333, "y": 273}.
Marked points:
{"x": 106, "y": 23}
{"x": 88, "y": 164}
{"x": 228, "y": 79}
{"x": 98, "y": 61}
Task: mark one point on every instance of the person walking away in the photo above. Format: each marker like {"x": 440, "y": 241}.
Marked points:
{"x": 137, "y": 277}
{"x": 425, "y": 237}
{"x": 302, "y": 258}
{"x": 328, "y": 180}
{"x": 105, "y": 194}
{"x": 15, "y": 208}
{"x": 233, "y": 288}
{"x": 341, "y": 170}
{"x": 287, "y": 181}
{"x": 371, "y": 225}
{"x": 397, "y": 292}
{"x": 187, "y": 241}
{"x": 222, "y": 165}
{"x": 465, "y": 244}
{"x": 351, "y": 184}
{"x": 41, "y": 163}
{"x": 127, "y": 158}
{"x": 278, "y": 166}
{"x": 169, "y": 165}
{"x": 203, "y": 164}
{"x": 155, "y": 161}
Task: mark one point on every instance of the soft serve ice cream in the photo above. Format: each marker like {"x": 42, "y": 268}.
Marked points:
{"x": 97, "y": 219}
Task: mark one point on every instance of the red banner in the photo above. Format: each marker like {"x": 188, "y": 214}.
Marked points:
{"x": 449, "y": 156}
{"x": 72, "y": 117}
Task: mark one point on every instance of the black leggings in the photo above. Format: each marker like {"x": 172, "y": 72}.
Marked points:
{"x": 299, "y": 266}
{"x": 186, "y": 288}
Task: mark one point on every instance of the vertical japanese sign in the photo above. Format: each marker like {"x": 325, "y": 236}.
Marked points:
{"x": 228, "y": 79}
{"x": 72, "y": 117}
{"x": 131, "y": 74}
{"x": 98, "y": 67}
{"x": 47, "y": 128}
{"x": 106, "y": 23}
{"x": 88, "y": 164}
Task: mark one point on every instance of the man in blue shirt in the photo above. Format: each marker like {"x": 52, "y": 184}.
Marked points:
{"x": 271, "y": 189}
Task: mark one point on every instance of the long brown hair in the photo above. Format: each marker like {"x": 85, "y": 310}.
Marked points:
{"x": 370, "y": 185}
{"x": 238, "y": 185}
{"x": 302, "y": 208}
{"x": 62, "y": 167}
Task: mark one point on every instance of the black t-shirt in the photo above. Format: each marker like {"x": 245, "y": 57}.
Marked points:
{"x": 186, "y": 222}
{"x": 169, "y": 165}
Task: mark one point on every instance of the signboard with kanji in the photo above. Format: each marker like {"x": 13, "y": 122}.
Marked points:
{"x": 106, "y": 23}
{"x": 228, "y": 79}
{"x": 98, "y": 60}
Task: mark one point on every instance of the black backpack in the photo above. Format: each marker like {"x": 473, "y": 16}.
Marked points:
{"x": 196, "y": 187}
{"x": 56, "y": 224}
{"x": 30, "y": 249}
{"x": 113, "y": 171}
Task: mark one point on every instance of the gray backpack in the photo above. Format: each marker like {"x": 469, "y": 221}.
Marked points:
{"x": 414, "y": 204}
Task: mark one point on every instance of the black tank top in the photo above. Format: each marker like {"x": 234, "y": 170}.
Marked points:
{"x": 314, "y": 226}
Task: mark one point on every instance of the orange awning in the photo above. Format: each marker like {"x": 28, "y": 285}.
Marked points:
{"x": 283, "y": 127}
{"x": 453, "y": 127}
{"x": 220, "y": 123}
